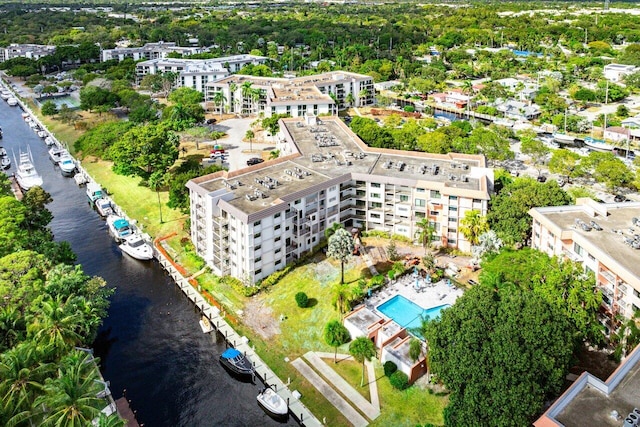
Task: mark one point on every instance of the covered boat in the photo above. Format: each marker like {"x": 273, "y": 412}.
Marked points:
{"x": 598, "y": 144}
{"x": 55, "y": 152}
{"x": 5, "y": 161}
{"x": 94, "y": 191}
{"x": 118, "y": 227}
{"x": 273, "y": 404}
{"x": 563, "y": 138}
{"x": 136, "y": 247}
{"x": 236, "y": 363}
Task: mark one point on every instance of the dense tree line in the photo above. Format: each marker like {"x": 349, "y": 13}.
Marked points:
{"x": 48, "y": 307}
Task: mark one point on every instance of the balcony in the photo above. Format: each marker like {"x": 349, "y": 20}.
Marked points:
{"x": 220, "y": 221}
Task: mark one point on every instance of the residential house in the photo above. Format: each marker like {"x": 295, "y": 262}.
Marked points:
{"x": 617, "y": 72}
{"x": 518, "y": 110}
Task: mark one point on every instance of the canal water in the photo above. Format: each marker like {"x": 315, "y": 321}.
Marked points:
{"x": 151, "y": 344}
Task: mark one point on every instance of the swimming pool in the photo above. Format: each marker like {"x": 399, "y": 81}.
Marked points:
{"x": 408, "y": 314}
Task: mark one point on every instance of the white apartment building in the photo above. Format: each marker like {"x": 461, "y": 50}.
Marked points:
{"x": 159, "y": 50}
{"x": 251, "y": 222}
{"x": 608, "y": 253}
{"x": 31, "y": 51}
{"x": 196, "y": 73}
{"x": 294, "y": 96}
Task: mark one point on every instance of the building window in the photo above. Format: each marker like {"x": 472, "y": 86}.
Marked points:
{"x": 257, "y": 235}
{"x": 375, "y": 215}
{"x": 435, "y": 194}
{"x": 404, "y": 198}
{"x": 434, "y": 213}
{"x": 453, "y": 219}
{"x": 453, "y": 197}
{"x": 277, "y": 239}
{"x": 277, "y": 215}
{"x": 257, "y": 223}
{"x": 453, "y": 208}
{"x": 376, "y": 205}
{"x": 420, "y": 190}
{"x": 420, "y": 215}
{"x": 278, "y": 262}
{"x": 258, "y": 259}
{"x": 375, "y": 195}
{"x": 278, "y": 250}
{"x": 360, "y": 193}
{"x": 277, "y": 227}
{"x": 375, "y": 185}
{"x": 420, "y": 203}
{"x": 258, "y": 271}
{"x": 578, "y": 249}
{"x": 257, "y": 248}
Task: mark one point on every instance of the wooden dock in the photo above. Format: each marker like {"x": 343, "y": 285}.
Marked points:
{"x": 15, "y": 188}
{"x": 296, "y": 408}
{"x": 125, "y": 412}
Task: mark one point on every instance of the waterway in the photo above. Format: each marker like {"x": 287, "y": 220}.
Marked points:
{"x": 150, "y": 344}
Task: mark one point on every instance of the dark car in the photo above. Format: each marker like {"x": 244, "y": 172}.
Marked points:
{"x": 210, "y": 121}
{"x": 620, "y": 198}
{"x": 542, "y": 178}
{"x": 472, "y": 282}
{"x": 254, "y": 161}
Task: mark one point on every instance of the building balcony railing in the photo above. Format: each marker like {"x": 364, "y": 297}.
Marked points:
{"x": 608, "y": 276}
{"x": 220, "y": 221}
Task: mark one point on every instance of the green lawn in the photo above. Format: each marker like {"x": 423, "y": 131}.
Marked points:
{"x": 351, "y": 371}
{"x": 138, "y": 202}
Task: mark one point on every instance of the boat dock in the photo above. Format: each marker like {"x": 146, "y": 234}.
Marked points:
{"x": 217, "y": 320}
{"x": 125, "y": 412}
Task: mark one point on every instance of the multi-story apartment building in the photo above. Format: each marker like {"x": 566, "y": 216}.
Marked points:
{"x": 251, "y": 222}
{"x": 159, "y": 50}
{"x": 196, "y": 73}
{"x": 318, "y": 94}
{"x": 604, "y": 237}
{"x": 31, "y": 51}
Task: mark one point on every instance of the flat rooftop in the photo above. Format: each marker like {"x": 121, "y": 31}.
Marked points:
{"x": 609, "y": 244}
{"x": 329, "y": 150}
{"x": 363, "y": 319}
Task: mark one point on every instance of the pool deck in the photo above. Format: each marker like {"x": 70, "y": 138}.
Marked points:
{"x": 427, "y": 296}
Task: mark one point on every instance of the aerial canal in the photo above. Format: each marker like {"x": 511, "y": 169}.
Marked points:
{"x": 151, "y": 343}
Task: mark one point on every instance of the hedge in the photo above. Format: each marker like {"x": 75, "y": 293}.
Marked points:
{"x": 389, "y": 368}
{"x": 399, "y": 380}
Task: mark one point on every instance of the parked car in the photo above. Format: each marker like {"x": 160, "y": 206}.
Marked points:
{"x": 620, "y": 198}
{"x": 254, "y": 161}
{"x": 472, "y": 282}
{"x": 542, "y": 178}
{"x": 217, "y": 155}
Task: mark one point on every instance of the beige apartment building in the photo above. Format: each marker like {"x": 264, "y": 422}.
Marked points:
{"x": 251, "y": 222}
{"x": 605, "y": 238}
{"x": 318, "y": 94}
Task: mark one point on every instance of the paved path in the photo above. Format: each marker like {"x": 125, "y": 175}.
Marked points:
{"x": 330, "y": 394}
{"x": 369, "y": 261}
{"x": 345, "y": 388}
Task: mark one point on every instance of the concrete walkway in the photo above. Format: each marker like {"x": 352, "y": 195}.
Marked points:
{"x": 330, "y": 394}
{"x": 368, "y": 408}
{"x": 369, "y": 261}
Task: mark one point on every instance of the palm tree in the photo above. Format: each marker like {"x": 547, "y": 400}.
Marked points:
{"x": 473, "y": 225}
{"x": 219, "y": 100}
{"x": 336, "y": 334}
{"x": 112, "y": 420}
{"x": 250, "y": 135}
{"x": 363, "y": 95}
{"x": 12, "y": 327}
{"x": 247, "y": 91}
{"x": 71, "y": 398}
{"x": 362, "y": 349}
{"x": 341, "y": 298}
{"x": 232, "y": 95}
{"x": 467, "y": 89}
{"x": 349, "y": 99}
{"x": 425, "y": 233}
{"x": 274, "y": 154}
{"x": 55, "y": 325}
{"x": 21, "y": 380}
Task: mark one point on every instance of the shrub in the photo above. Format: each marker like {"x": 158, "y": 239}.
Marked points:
{"x": 239, "y": 287}
{"x": 399, "y": 380}
{"x": 302, "y": 299}
{"x": 49, "y": 109}
{"x": 389, "y": 368}
{"x": 376, "y": 233}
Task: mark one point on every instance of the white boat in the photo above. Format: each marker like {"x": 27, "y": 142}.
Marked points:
{"x": 103, "y": 206}
{"x": 55, "y": 152}
{"x": 136, "y": 247}
{"x": 205, "y": 325}
{"x": 49, "y": 140}
{"x": 5, "y": 94}
{"x": 118, "y": 227}
{"x": 563, "y": 138}
{"x": 67, "y": 164}
{"x": 94, "y": 192}
{"x": 5, "y": 161}
{"x": 80, "y": 179}
{"x": 273, "y": 404}
{"x": 26, "y": 174}
{"x": 597, "y": 144}
{"x": 42, "y": 134}
{"x": 12, "y": 101}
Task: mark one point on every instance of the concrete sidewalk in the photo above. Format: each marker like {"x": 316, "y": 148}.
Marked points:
{"x": 330, "y": 394}
{"x": 345, "y": 388}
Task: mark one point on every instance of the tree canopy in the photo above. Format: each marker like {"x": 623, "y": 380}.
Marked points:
{"x": 501, "y": 354}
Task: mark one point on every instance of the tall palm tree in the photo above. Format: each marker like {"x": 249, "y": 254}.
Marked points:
{"x": 425, "y": 233}
{"x": 247, "y": 91}
{"x": 232, "y": 96}
{"x": 12, "y": 327}
{"x": 467, "y": 89}
{"x": 349, "y": 99}
{"x": 363, "y": 95}
{"x": 219, "y": 101}
{"x": 71, "y": 399}
{"x": 473, "y": 225}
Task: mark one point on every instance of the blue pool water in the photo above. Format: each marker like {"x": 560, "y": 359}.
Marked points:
{"x": 408, "y": 314}
{"x": 70, "y": 101}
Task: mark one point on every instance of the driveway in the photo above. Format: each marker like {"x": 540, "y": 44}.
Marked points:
{"x": 238, "y": 150}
